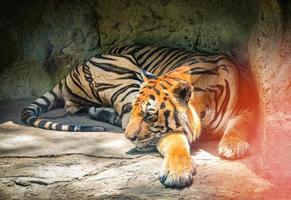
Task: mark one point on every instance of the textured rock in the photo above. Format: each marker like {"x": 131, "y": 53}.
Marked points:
{"x": 39, "y": 164}
{"x": 213, "y": 26}
{"x": 41, "y": 41}
{"x": 47, "y": 38}
{"x": 270, "y": 50}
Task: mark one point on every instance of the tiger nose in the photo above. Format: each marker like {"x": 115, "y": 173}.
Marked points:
{"x": 130, "y": 135}
{"x": 132, "y": 138}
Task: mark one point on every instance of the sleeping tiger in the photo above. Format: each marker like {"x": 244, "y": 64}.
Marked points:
{"x": 182, "y": 95}
{"x": 189, "y": 94}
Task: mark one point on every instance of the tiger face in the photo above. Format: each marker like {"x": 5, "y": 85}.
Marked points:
{"x": 160, "y": 107}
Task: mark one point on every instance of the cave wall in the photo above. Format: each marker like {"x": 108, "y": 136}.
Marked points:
{"x": 45, "y": 39}
{"x": 269, "y": 53}
{"x": 41, "y": 41}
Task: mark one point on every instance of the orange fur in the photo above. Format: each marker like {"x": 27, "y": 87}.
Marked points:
{"x": 208, "y": 97}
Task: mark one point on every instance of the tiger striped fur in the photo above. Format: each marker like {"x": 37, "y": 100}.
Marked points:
{"x": 189, "y": 94}
{"x": 178, "y": 96}
{"x": 104, "y": 80}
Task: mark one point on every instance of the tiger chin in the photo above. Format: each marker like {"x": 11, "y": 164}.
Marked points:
{"x": 172, "y": 110}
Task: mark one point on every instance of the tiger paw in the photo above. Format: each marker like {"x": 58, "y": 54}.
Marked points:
{"x": 233, "y": 148}
{"x": 177, "y": 172}
{"x": 105, "y": 114}
{"x": 71, "y": 107}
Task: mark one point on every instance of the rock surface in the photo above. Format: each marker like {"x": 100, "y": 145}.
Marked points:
{"x": 42, "y": 42}
{"x": 41, "y": 164}
{"x": 48, "y": 38}
{"x": 270, "y": 50}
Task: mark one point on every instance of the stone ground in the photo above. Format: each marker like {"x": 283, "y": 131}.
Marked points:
{"x": 41, "y": 164}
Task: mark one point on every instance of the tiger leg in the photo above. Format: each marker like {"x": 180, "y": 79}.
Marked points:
{"x": 178, "y": 167}
{"x": 72, "y": 107}
{"x": 233, "y": 143}
{"x": 105, "y": 114}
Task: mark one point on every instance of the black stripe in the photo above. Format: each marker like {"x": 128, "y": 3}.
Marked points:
{"x": 43, "y": 107}
{"x": 129, "y": 47}
{"x": 60, "y": 85}
{"x": 42, "y": 123}
{"x": 120, "y": 91}
{"x": 176, "y": 79}
{"x": 25, "y": 116}
{"x": 163, "y": 86}
{"x": 59, "y": 127}
{"x": 207, "y": 59}
{"x": 29, "y": 110}
{"x": 130, "y": 92}
{"x": 130, "y": 77}
{"x": 53, "y": 94}
{"x": 31, "y": 122}
{"x": 176, "y": 119}
{"x": 78, "y": 85}
{"x": 129, "y": 58}
{"x": 91, "y": 85}
{"x": 158, "y": 58}
{"x": 152, "y": 97}
{"x": 136, "y": 50}
{"x": 154, "y": 51}
{"x": 71, "y": 128}
{"x": 179, "y": 62}
{"x": 105, "y": 86}
{"x": 216, "y": 99}
{"x": 77, "y": 96}
{"x": 195, "y": 71}
{"x": 142, "y": 55}
{"x": 169, "y": 62}
{"x": 110, "y": 51}
{"x": 111, "y": 68}
{"x": 224, "y": 103}
{"x": 164, "y": 59}
{"x": 166, "y": 115}
{"x": 156, "y": 91}
{"x": 126, "y": 108}
{"x": 120, "y": 49}
{"x": 76, "y": 76}
{"x": 48, "y": 102}
{"x": 168, "y": 82}
{"x": 50, "y": 127}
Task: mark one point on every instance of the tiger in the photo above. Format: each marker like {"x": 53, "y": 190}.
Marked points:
{"x": 202, "y": 93}
{"x": 104, "y": 80}
{"x": 184, "y": 95}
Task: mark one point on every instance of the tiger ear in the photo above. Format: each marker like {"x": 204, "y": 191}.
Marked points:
{"x": 182, "y": 92}
{"x": 146, "y": 75}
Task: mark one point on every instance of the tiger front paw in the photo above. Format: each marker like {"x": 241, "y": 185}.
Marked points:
{"x": 232, "y": 148}
{"x": 177, "y": 172}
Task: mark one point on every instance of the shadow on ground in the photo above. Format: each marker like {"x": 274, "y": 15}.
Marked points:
{"x": 41, "y": 164}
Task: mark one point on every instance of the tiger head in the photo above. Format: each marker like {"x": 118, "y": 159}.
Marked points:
{"x": 163, "y": 105}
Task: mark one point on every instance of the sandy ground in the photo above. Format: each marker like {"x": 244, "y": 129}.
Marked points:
{"x": 41, "y": 164}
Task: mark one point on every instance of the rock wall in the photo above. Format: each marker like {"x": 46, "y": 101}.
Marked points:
{"x": 45, "y": 39}
{"x": 270, "y": 50}
{"x": 40, "y": 41}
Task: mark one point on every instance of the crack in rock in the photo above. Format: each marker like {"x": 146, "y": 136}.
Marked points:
{"x": 27, "y": 181}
